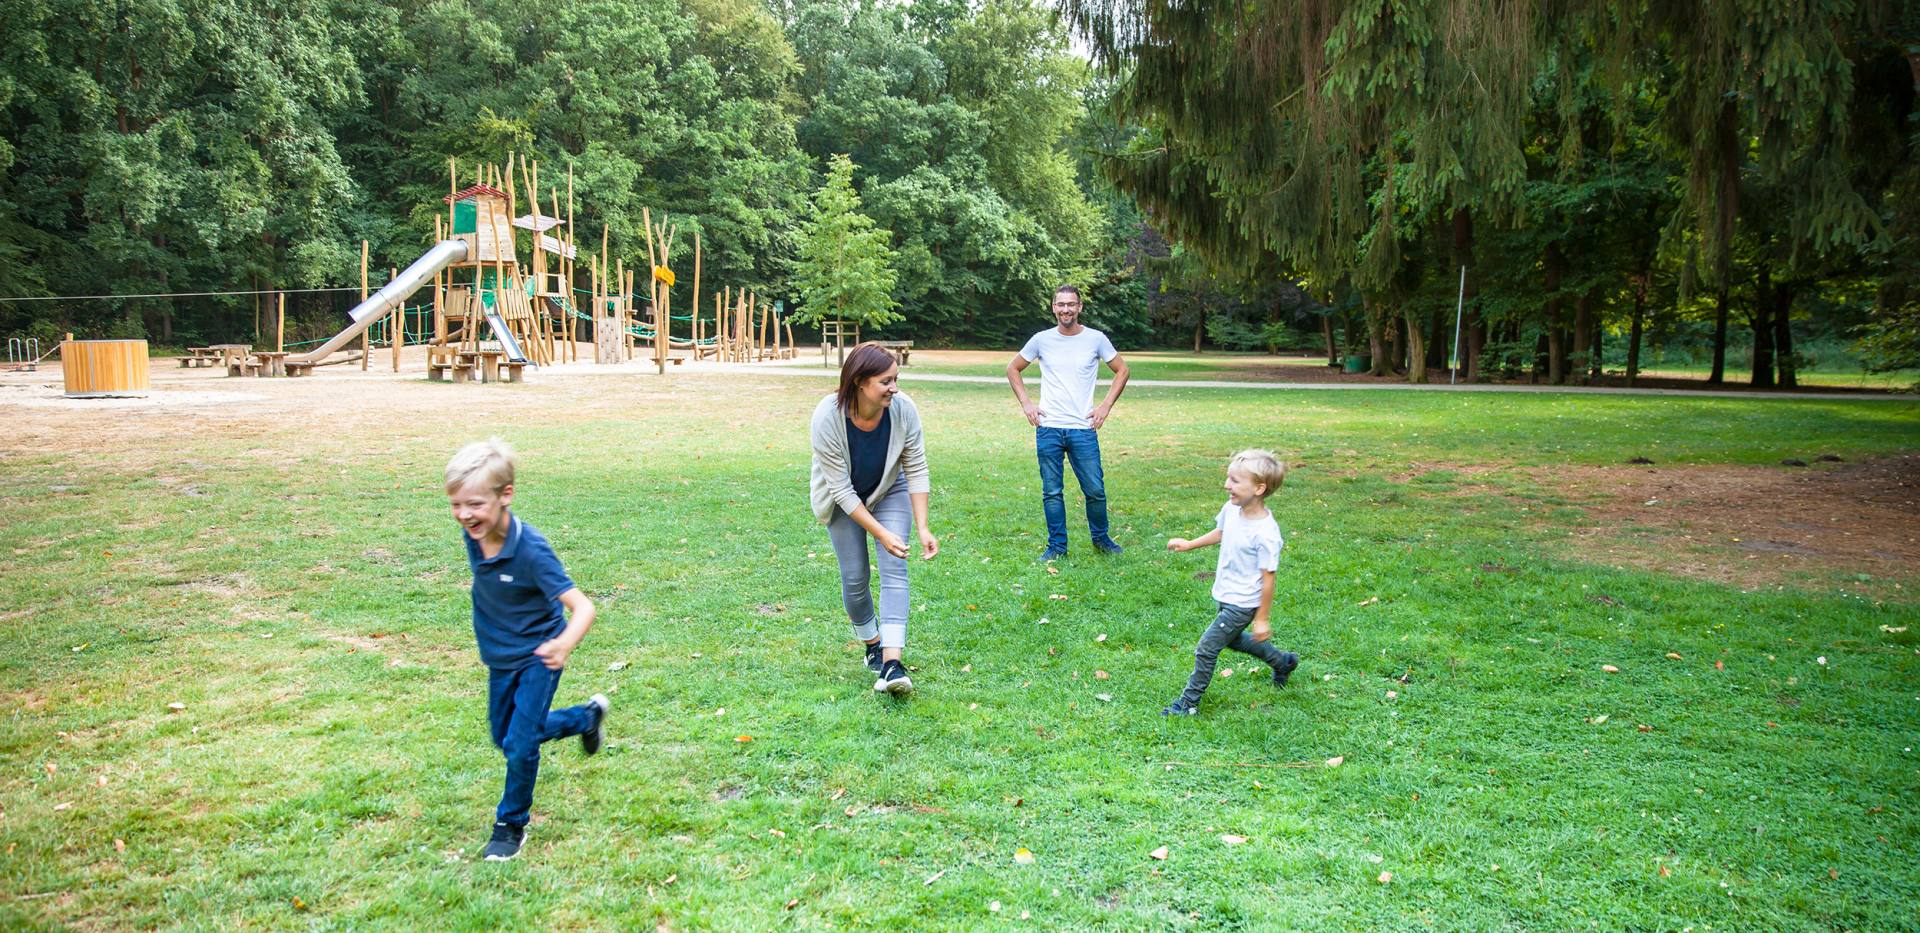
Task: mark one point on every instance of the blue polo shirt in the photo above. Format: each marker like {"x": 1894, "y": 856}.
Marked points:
{"x": 516, "y": 596}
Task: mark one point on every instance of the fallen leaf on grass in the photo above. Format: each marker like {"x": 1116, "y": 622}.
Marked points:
{"x": 1821, "y": 660}
{"x": 1664, "y": 873}
{"x": 1104, "y": 697}
{"x": 722, "y": 711}
{"x": 1369, "y": 600}
{"x": 1889, "y": 629}
{"x": 83, "y": 645}
{"x": 1103, "y": 637}
{"x": 1022, "y": 856}
{"x": 1673, "y": 655}
{"x": 1643, "y": 727}
{"x": 1052, "y": 569}
{"x": 838, "y": 793}
{"x": 1719, "y": 665}
{"x": 62, "y": 806}
{"x": 1231, "y": 839}
{"x": 176, "y": 707}
{"x": 1060, "y": 596}
{"x": 1101, "y": 675}
{"x": 1385, "y": 877}
{"x": 670, "y": 879}
{"x": 793, "y": 903}
{"x": 966, "y": 669}
{"x": 994, "y": 907}
{"x": 1609, "y": 668}
{"x": 299, "y": 904}
{"x": 119, "y": 845}
{"x": 1833, "y": 873}
{"x": 743, "y": 738}
{"x": 1598, "y": 720}
{"x": 617, "y": 666}
{"x": 777, "y": 834}
{"x": 1391, "y": 695}
{"x": 51, "y": 767}
{"x": 1336, "y": 761}
{"x": 1159, "y": 854}
{"x": 933, "y": 878}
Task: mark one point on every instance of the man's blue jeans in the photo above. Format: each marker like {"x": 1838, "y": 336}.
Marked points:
{"x": 1080, "y": 447}
{"x": 520, "y": 714}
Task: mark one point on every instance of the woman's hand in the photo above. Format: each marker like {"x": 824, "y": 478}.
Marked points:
{"x": 929, "y": 545}
{"x": 893, "y": 544}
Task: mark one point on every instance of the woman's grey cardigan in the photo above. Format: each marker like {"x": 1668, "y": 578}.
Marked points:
{"x": 832, "y": 483}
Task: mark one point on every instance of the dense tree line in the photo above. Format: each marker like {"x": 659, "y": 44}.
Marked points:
{"x": 1596, "y": 167}
{"x": 1737, "y": 178}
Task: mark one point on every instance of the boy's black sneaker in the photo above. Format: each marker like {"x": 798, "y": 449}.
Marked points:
{"x": 1177, "y": 708}
{"x": 1053, "y": 553}
{"x": 1288, "y": 661}
{"x": 893, "y": 679}
{"x": 1108, "y": 546}
{"x": 506, "y": 842}
{"x": 874, "y": 661}
{"x": 590, "y": 740}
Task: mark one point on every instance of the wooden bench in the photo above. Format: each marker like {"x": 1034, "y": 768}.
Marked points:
{"x": 899, "y": 348}
{"x": 271, "y": 363}
{"x": 199, "y": 356}
{"x": 297, "y": 368}
{"x": 442, "y": 361}
{"x": 485, "y": 363}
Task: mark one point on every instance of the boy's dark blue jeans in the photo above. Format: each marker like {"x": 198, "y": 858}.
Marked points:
{"x": 1081, "y": 448}
{"x": 518, "y": 703}
{"x": 1229, "y": 630}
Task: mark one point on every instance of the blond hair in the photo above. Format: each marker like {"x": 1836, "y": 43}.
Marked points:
{"x": 489, "y": 461}
{"x": 1260, "y": 466}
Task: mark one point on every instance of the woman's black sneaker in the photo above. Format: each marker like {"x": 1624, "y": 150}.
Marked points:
{"x": 893, "y": 679}
{"x": 874, "y": 662}
{"x": 506, "y": 842}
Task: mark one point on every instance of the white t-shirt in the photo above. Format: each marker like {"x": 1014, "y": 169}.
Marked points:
{"x": 1247, "y": 547}
{"x": 1068, "y": 366}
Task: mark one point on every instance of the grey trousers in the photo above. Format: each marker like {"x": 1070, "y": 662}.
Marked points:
{"x": 894, "y": 511}
{"x": 1229, "y": 630}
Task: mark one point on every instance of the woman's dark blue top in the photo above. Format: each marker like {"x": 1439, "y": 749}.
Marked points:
{"x": 867, "y": 454}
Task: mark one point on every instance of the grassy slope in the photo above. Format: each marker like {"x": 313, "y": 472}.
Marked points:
{"x": 331, "y": 765}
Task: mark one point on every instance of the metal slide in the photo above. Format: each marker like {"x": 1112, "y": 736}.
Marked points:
{"x": 390, "y": 295}
{"x": 505, "y": 336}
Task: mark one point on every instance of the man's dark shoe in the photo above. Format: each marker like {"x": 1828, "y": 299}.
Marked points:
{"x": 1053, "y": 553}
{"x": 1177, "y": 708}
{"x": 874, "y": 662}
{"x": 506, "y": 842}
{"x": 591, "y": 739}
{"x": 1108, "y": 547}
{"x": 893, "y": 679}
{"x": 1288, "y": 661}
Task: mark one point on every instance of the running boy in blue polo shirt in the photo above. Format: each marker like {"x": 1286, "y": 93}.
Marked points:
{"x": 519, "y": 589}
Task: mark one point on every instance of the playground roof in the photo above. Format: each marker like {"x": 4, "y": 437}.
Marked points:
{"x": 552, "y": 245}
{"x": 473, "y": 191}
{"x": 538, "y": 223}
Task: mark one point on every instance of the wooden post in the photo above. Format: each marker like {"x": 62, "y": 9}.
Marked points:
{"x": 399, "y": 322}
{"x": 694, "y": 303}
{"x": 365, "y": 335}
{"x": 279, "y": 327}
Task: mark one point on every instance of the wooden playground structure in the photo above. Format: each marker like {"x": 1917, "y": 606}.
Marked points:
{"x": 492, "y": 317}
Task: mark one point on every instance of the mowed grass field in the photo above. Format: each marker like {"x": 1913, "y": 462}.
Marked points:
{"x": 1527, "y": 736}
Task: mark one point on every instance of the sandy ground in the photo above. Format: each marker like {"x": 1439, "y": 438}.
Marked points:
{"x": 1742, "y": 525}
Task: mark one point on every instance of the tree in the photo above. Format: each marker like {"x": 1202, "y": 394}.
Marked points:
{"x": 845, "y": 269}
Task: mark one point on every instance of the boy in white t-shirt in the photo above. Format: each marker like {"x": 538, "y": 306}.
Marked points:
{"x": 1250, "y": 545}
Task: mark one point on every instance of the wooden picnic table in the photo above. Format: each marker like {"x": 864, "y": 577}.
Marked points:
{"x": 272, "y": 363}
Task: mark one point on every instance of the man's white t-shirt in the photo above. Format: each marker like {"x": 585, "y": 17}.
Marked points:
{"x": 1068, "y": 366}
{"x": 1246, "y": 549}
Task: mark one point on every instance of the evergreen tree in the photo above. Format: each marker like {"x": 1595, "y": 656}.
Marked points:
{"x": 844, "y": 271}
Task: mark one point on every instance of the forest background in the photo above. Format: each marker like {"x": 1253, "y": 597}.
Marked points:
{"x": 1736, "y": 183}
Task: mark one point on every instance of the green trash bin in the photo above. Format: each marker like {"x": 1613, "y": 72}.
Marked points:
{"x": 1358, "y": 364}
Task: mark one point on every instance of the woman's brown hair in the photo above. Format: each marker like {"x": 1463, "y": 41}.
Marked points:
{"x": 863, "y": 362}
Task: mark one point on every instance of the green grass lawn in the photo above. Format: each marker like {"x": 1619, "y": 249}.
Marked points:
{"x": 303, "y": 596}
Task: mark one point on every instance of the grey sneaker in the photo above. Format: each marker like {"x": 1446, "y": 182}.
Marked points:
{"x": 1288, "y": 661}
{"x": 591, "y": 739}
{"x": 893, "y": 679}
{"x": 506, "y": 842}
{"x": 874, "y": 662}
{"x": 1177, "y": 708}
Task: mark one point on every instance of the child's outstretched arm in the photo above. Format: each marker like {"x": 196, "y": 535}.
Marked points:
{"x": 553, "y": 652}
{"x": 1261, "y": 630}
{"x": 1209, "y": 539}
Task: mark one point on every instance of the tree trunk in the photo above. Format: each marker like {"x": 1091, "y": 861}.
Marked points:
{"x": 1326, "y": 331}
{"x": 1783, "y": 336}
{"x": 1416, "y": 349}
{"x": 1579, "y": 359}
{"x": 1199, "y": 331}
{"x": 1541, "y": 351}
{"x": 1730, "y": 146}
{"x": 1596, "y": 356}
{"x": 1633, "y": 331}
{"x": 1719, "y": 373}
{"x": 1436, "y": 340}
{"x": 1762, "y": 324}
{"x": 1376, "y": 336}
{"x": 1556, "y": 266}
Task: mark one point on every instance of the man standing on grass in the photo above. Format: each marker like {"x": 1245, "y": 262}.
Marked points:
{"x": 1066, "y": 421}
